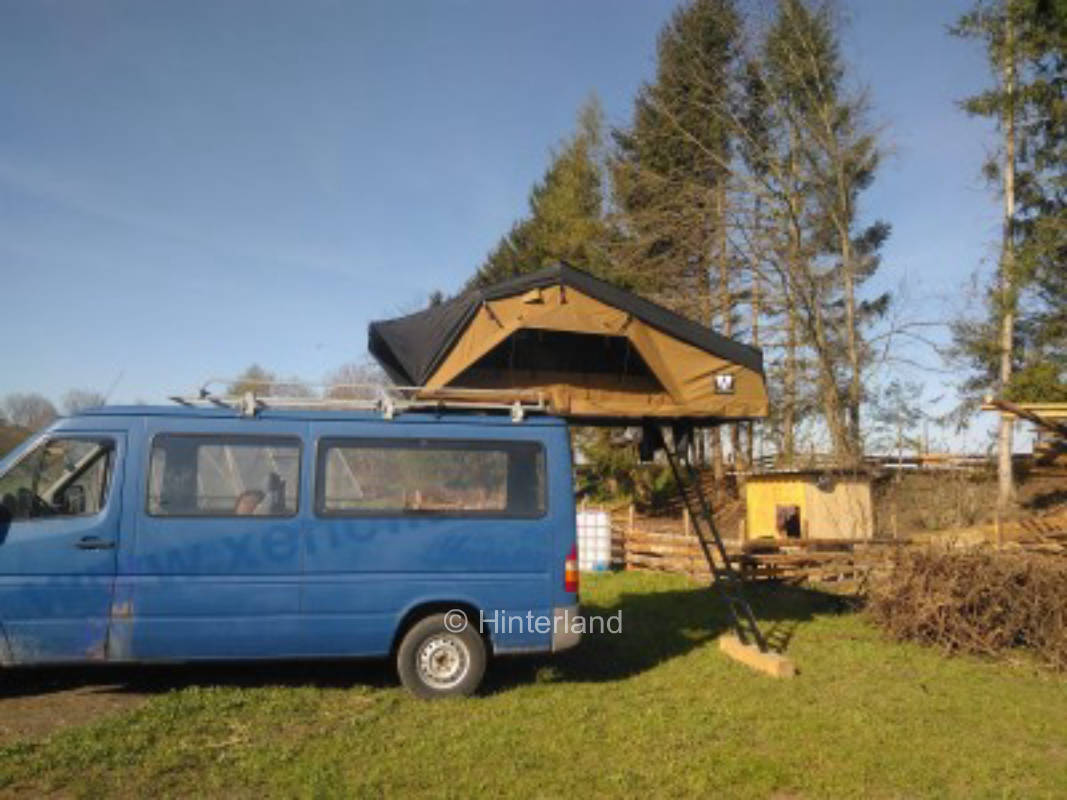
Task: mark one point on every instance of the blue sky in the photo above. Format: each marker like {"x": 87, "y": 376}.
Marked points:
{"x": 188, "y": 186}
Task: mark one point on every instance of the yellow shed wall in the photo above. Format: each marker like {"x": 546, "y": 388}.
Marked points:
{"x": 763, "y": 496}
{"x": 844, "y": 512}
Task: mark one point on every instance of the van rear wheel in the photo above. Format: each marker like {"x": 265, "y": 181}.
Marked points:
{"x": 435, "y": 661}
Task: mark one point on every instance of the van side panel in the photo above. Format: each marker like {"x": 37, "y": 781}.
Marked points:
{"x": 363, "y": 574}
{"x": 208, "y": 587}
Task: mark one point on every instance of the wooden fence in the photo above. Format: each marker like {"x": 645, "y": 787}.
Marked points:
{"x": 669, "y": 544}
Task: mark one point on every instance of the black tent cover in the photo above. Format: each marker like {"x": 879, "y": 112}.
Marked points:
{"x": 410, "y": 348}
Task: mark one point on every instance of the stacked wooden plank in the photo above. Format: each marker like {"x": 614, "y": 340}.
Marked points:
{"x": 1042, "y": 534}
{"x": 667, "y": 544}
{"x": 814, "y": 560}
{"x": 665, "y": 551}
{"x": 670, "y": 545}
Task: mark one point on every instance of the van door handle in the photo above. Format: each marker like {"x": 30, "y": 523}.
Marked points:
{"x": 94, "y": 543}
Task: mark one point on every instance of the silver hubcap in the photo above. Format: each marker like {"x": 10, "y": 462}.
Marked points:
{"x": 443, "y": 661}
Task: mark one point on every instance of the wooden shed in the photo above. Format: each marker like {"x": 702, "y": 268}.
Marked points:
{"x": 809, "y": 504}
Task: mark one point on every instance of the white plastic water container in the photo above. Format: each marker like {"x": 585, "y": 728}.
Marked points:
{"x": 594, "y": 541}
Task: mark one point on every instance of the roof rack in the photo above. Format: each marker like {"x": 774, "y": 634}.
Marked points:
{"x": 389, "y": 400}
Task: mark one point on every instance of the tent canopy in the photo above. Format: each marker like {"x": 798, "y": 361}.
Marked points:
{"x": 597, "y": 353}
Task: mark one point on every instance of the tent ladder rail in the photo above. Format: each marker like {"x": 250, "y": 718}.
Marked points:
{"x": 726, "y": 579}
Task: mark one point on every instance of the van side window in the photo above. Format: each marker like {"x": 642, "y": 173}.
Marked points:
{"x": 430, "y": 476}
{"x": 223, "y": 476}
{"x": 61, "y": 477}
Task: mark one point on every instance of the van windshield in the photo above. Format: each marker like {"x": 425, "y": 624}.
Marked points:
{"x": 57, "y": 477}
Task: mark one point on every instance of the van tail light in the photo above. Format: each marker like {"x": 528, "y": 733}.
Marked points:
{"x": 570, "y": 570}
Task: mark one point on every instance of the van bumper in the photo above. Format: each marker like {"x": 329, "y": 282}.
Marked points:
{"x": 565, "y": 634}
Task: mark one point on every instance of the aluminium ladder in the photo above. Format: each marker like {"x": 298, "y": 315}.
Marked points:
{"x": 724, "y": 577}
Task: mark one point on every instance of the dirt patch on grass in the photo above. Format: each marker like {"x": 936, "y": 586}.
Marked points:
{"x": 35, "y": 705}
{"x": 38, "y": 702}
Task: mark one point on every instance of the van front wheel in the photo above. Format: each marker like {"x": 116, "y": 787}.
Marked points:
{"x": 434, "y": 660}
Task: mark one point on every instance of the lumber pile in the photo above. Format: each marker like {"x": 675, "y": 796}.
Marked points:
{"x": 1044, "y": 534}
{"x": 816, "y": 567}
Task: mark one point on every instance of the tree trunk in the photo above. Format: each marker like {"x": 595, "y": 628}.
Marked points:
{"x": 789, "y": 385}
{"x": 789, "y": 377}
{"x": 855, "y": 385}
{"x": 726, "y": 301}
{"x": 1005, "y": 476}
{"x": 718, "y": 466}
{"x": 831, "y": 401}
{"x": 757, "y": 310}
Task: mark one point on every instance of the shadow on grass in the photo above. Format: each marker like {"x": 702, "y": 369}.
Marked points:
{"x": 656, "y": 626}
{"x": 1046, "y": 500}
{"x": 148, "y": 679}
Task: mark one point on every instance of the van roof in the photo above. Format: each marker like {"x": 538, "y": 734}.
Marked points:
{"x": 312, "y": 414}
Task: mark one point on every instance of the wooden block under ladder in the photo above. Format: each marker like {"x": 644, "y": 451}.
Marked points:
{"x": 774, "y": 664}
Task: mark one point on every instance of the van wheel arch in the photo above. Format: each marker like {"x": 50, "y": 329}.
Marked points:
{"x": 424, "y": 610}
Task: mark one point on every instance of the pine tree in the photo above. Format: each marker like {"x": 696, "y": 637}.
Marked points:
{"x": 671, "y": 166}
{"x": 566, "y": 220}
{"x": 1043, "y": 196}
{"x": 737, "y": 185}
{"x": 1008, "y": 349}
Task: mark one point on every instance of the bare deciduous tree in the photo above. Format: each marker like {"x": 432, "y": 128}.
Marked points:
{"x": 77, "y": 400}
{"x": 29, "y": 410}
{"x": 356, "y": 380}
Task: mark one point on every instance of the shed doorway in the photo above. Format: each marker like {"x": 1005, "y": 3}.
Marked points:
{"x": 787, "y": 519}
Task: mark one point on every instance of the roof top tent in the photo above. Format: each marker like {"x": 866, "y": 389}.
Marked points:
{"x": 596, "y": 353}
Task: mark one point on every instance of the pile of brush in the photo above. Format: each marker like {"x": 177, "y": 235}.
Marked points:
{"x": 975, "y": 601}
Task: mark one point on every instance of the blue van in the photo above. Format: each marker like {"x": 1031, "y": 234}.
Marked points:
{"x": 140, "y": 534}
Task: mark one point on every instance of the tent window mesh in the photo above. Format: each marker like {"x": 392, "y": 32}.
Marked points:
{"x": 533, "y": 350}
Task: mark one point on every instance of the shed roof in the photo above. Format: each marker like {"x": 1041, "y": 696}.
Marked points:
{"x": 811, "y": 474}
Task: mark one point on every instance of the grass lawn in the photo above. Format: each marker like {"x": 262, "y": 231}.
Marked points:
{"x": 654, "y": 711}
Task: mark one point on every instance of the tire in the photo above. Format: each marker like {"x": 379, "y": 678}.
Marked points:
{"x": 435, "y": 662}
